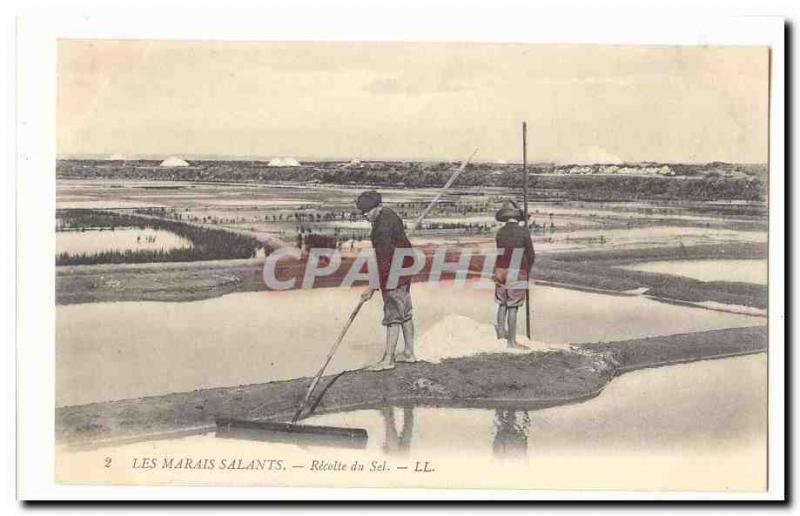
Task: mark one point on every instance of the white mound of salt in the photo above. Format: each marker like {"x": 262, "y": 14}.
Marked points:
{"x": 459, "y": 336}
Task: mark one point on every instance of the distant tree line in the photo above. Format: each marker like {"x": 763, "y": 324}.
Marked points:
{"x": 696, "y": 182}
{"x": 207, "y": 243}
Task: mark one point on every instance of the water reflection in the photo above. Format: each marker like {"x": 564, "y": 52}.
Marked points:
{"x": 511, "y": 434}
{"x": 647, "y": 417}
{"x": 510, "y": 427}
{"x": 397, "y": 444}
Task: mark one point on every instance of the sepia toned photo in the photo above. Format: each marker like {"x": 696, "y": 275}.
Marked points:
{"x": 412, "y": 265}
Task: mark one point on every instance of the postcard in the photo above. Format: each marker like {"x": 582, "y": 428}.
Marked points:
{"x": 411, "y": 264}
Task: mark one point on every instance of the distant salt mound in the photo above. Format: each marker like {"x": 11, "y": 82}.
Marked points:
{"x": 283, "y": 162}
{"x": 459, "y": 336}
{"x": 594, "y": 154}
{"x": 353, "y": 163}
{"x": 173, "y": 161}
{"x": 116, "y": 157}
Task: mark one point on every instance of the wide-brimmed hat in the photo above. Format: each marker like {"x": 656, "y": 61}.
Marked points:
{"x": 509, "y": 210}
{"x": 368, "y": 200}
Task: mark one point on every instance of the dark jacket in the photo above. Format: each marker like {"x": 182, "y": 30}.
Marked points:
{"x": 513, "y": 236}
{"x": 387, "y": 235}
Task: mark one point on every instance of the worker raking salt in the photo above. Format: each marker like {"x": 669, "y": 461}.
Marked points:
{"x": 511, "y": 279}
{"x": 387, "y": 235}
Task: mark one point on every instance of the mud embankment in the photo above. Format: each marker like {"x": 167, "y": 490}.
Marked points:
{"x": 520, "y": 381}
{"x": 594, "y": 270}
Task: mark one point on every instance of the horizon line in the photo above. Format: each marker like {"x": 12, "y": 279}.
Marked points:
{"x": 317, "y": 159}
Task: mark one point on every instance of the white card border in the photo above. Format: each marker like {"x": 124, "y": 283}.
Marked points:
{"x": 36, "y": 35}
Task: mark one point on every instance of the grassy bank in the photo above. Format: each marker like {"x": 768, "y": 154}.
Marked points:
{"x": 207, "y": 243}
{"x": 593, "y": 270}
{"x": 523, "y": 382}
{"x": 742, "y": 251}
{"x": 599, "y": 270}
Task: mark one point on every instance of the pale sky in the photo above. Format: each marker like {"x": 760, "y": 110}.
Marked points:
{"x": 413, "y": 100}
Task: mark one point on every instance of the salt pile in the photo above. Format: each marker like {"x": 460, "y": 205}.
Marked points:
{"x": 283, "y": 162}
{"x": 174, "y": 161}
{"x": 459, "y": 336}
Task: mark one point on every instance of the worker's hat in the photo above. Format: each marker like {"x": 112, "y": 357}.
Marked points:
{"x": 368, "y": 200}
{"x": 509, "y": 210}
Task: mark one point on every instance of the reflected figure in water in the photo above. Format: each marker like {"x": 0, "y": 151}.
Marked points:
{"x": 398, "y": 444}
{"x": 511, "y": 437}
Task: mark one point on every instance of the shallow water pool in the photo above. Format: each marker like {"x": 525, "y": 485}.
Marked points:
{"x": 110, "y": 351}
{"x": 745, "y": 271}
{"x": 95, "y": 241}
{"x": 697, "y": 426}
{"x": 701, "y": 405}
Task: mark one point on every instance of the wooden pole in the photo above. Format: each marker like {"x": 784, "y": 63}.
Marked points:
{"x": 315, "y": 381}
{"x": 316, "y": 378}
{"x": 525, "y": 217}
{"x": 442, "y": 190}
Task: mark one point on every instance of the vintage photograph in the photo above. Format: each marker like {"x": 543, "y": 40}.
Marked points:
{"x": 410, "y": 264}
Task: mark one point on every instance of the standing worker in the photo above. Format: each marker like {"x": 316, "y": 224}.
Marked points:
{"x": 388, "y": 234}
{"x": 510, "y": 292}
